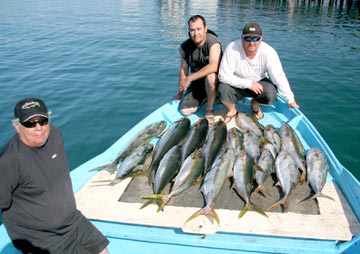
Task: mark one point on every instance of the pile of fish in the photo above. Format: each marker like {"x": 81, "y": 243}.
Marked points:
{"x": 247, "y": 154}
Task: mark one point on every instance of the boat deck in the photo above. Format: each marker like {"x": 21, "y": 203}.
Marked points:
{"x": 321, "y": 219}
{"x": 318, "y": 219}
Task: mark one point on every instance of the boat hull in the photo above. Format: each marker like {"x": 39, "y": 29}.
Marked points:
{"x": 146, "y": 238}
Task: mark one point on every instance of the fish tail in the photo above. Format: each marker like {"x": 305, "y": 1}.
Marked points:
{"x": 326, "y": 196}
{"x": 279, "y": 202}
{"x": 302, "y": 177}
{"x": 151, "y": 201}
{"x": 206, "y": 211}
{"x": 146, "y": 204}
{"x": 151, "y": 175}
{"x": 157, "y": 198}
{"x": 251, "y": 207}
{"x": 262, "y": 190}
{"x": 111, "y": 168}
{"x": 316, "y": 196}
{"x": 111, "y": 182}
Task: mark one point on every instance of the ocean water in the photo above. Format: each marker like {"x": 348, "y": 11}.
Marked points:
{"x": 102, "y": 66}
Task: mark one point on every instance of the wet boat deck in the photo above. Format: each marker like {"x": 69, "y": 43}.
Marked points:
{"x": 121, "y": 203}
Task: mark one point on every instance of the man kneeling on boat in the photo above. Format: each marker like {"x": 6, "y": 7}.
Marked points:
{"x": 252, "y": 68}
{"x": 201, "y": 53}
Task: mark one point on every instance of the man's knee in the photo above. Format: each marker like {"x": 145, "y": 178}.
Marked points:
{"x": 211, "y": 80}
{"x": 188, "y": 111}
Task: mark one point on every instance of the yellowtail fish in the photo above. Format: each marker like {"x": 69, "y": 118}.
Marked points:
{"x": 214, "y": 181}
{"x": 246, "y": 122}
{"x": 263, "y": 170}
{"x": 190, "y": 171}
{"x": 287, "y": 174}
{"x": 215, "y": 140}
{"x": 317, "y": 170}
{"x": 195, "y": 137}
{"x": 142, "y": 137}
{"x": 292, "y": 144}
{"x": 243, "y": 181}
{"x": 173, "y": 136}
{"x": 168, "y": 168}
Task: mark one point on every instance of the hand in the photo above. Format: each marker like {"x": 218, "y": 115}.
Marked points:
{"x": 184, "y": 83}
{"x": 257, "y": 88}
{"x": 178, "y": 95}
{"x": 293, "y": 105}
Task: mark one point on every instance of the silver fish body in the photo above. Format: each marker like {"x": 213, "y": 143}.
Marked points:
{"x": 317, "y": 170}
{"x": 243, "y": 181}
{"x": 273, "y": 138}
{"x": 142, "y": 137}
{"x": 195, "y": 137}
{"x": 190, "y": 170}
{"x": 215, "y": 140}
{"x": 287, "y": 174}
{"x": 246, "y": 122}
{"x": 134, "y": 163}
{"x": 173, "y": 136}
{"x": 293, "y": 146}
{"x": 214, "y": 181}
{"x": 168, "y": 167}
{"x": 236, "y": 140}
{"x": 251, "y": 144}
{"x": 264, "y": 168}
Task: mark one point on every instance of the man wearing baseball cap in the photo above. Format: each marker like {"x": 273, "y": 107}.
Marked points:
{"x": 36, "y": 197}
{"x": 251, "y": 68}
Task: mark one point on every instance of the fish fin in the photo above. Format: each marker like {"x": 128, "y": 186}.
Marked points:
{"x": 302, "y": 176}
{"x": 286, "y": 205}
{"x": 262, "y": 141}
{"x": 148, "y": 160}
{"x": 261, "y": 190}
{"x": 111, "y": 182}
{"x": 251, "y": 207}
{"x": 146, "y": 204}
{"x": 151, "y": 175}
{"x": 206, "y": 211}
{"x": 111, "y": 168}
{"x": 160, "y": 199}
{"x": 197, "y": 181}
{"x": 316, "y": 196}
{"x": 150, "y": 202}
{"x": 279, "y": 202}
{"x": 258, "y": 168}
{"x": 326, "y": 196}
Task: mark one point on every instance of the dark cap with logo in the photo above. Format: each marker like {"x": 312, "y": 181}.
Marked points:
{"x": 30, "y": 107}
{"x": 252, "y": 28}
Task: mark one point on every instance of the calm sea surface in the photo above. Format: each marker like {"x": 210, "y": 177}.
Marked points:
{"x": 102, "y": 66}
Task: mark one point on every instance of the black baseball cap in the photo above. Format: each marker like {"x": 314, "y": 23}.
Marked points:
{"x": 30, "y": 107}
{"x": 252, "y": 28}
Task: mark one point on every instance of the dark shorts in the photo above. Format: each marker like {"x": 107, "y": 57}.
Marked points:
{"x": 195, "y": 94}
{"x": 85, "y": 239}
{"x": 234, "y": 94}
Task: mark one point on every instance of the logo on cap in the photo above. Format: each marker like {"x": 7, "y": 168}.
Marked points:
{"x": 30, "y": 104}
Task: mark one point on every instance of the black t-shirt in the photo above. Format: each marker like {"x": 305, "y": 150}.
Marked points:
{"x": 198, "y": 56}
{"x": 36, "y": 195}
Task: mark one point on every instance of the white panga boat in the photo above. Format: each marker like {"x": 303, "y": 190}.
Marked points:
{"x": 334, "y": 227}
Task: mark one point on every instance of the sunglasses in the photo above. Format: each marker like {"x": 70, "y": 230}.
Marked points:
{"x": 254, "y": 39}
{"x": 32, "y": 124}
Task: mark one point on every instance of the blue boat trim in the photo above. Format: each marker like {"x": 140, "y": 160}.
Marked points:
{"x": 135, "y": 238}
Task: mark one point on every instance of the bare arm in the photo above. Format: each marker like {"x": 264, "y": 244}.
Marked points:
{"x": 212, "y": 67}
{"x": 184, "y": 70}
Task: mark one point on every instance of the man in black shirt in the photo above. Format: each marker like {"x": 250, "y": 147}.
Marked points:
{"x": 201, "y": 53}
{"x": 36, "y": 195}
